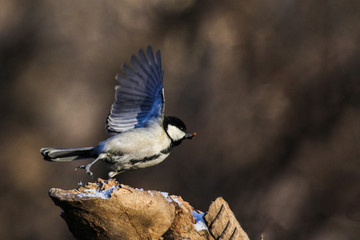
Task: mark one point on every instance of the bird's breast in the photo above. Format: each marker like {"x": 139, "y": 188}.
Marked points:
{"x": 139, "y": 143}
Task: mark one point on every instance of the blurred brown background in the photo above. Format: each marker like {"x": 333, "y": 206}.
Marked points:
{"x": 271, "y": 87}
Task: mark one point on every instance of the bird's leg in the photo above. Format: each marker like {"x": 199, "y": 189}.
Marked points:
{"x": 87, "y": 167}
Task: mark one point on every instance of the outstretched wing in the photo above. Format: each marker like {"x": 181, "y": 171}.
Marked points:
{"x": 139, "y": 98}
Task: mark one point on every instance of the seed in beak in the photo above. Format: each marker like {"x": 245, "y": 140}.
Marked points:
{"x": 190, "y": 135}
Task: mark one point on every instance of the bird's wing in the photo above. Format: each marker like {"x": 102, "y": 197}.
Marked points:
{"x": 139, "y": 98}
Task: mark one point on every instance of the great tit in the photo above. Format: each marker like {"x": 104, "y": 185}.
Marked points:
{"x": 142, "y": 135}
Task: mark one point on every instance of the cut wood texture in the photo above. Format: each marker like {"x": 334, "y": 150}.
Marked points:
{"x": 107, "y": 210}
{"x": 222, "y": 223}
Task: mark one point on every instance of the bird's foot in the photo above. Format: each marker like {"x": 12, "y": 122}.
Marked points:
{"x": 86, "y": 167}
{"x": 112, "y": 174}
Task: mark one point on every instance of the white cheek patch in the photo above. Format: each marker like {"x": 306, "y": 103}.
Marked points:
{"x": 175, "y": 133}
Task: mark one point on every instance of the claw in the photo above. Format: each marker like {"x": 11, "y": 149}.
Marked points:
{"x": 80, "y": 167}
{"x": 87, "y": 167}
{"x": 112, "y": 174}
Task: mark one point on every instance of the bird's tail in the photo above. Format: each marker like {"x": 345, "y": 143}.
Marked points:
{"x": 67, "y": 154}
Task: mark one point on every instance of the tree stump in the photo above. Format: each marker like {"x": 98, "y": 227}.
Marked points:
{"x": 107, "y": 210}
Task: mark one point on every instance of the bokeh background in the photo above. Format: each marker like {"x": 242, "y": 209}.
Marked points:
{"x": 271, "y": 87}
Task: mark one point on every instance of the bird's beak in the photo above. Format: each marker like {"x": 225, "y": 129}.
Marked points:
{"x": 190, "y": 135}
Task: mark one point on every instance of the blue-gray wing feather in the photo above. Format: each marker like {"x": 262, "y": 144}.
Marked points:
{"x": 139, "y": 99}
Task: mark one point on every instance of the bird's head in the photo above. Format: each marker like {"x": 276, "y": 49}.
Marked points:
{"x": 176, "y": 130}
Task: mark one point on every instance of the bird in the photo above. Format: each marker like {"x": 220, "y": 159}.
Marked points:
{"x": 141, "y": 135}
